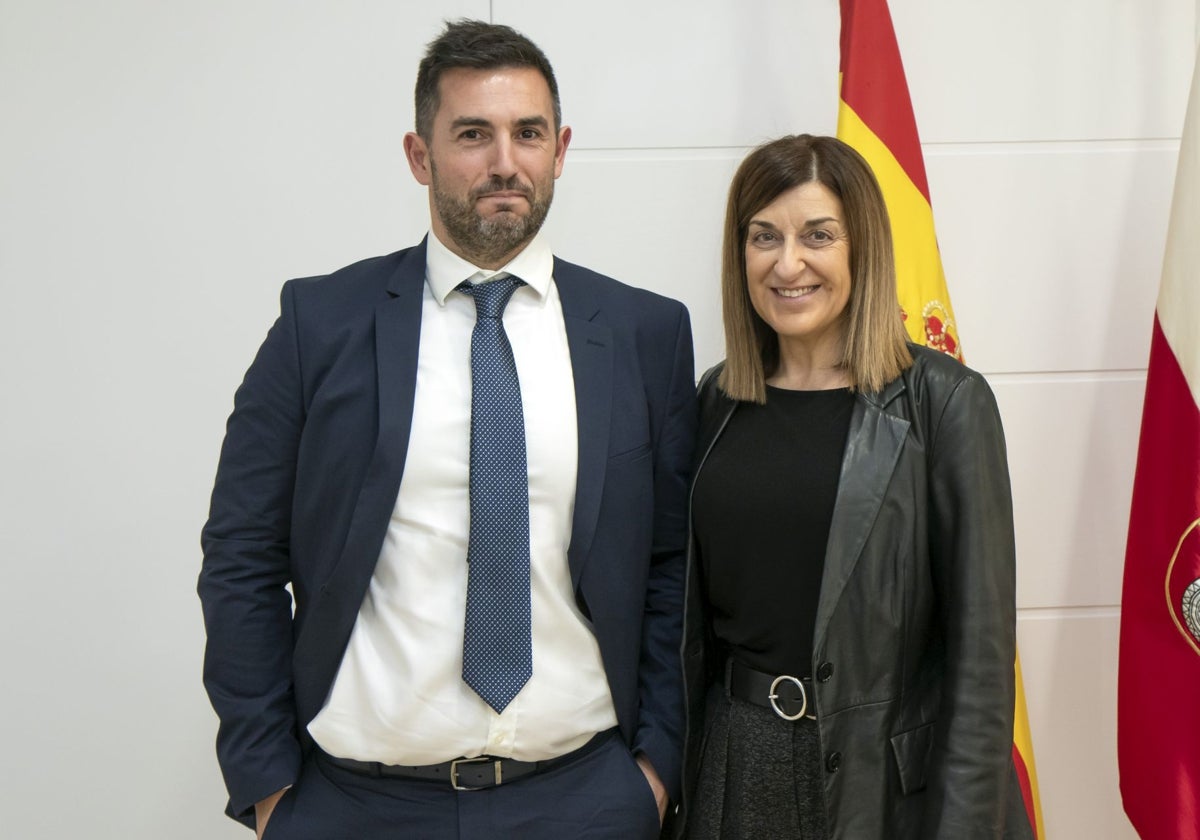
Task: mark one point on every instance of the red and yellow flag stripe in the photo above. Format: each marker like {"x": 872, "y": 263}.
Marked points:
{"x": 875, "y": 116}
{"x": 1023, "y": 759}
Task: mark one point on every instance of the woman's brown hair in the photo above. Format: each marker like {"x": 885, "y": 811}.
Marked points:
{"x": 874, "y": 350}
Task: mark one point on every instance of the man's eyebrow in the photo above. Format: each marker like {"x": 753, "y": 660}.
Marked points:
{"x": 470, "y": 122}
{"x": 537, "y": 121}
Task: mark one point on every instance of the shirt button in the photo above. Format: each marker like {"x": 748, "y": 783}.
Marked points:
{"x": 833, "y": 762}
{"x": 824, "y": 671}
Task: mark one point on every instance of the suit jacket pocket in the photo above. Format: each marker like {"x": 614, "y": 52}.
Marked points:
{"x": 630, "y": 454}
{"x": 912, "y": 750}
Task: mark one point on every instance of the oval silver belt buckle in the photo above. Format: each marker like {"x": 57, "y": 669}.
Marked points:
{"x": 803, "y": 697}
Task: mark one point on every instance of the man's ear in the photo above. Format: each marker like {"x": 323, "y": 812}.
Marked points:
{"x": 417, "y": 152}
{"x": 560, "y": 149}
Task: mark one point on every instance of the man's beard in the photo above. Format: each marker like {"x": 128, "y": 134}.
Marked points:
{"x": 489, "y": 240}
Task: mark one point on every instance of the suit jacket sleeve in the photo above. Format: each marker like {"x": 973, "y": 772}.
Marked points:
{"x": 247, "y": 610}
{"x": 660, "y": 725}
{"x": 973, "y": 555}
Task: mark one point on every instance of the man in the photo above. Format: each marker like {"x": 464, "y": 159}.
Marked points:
{"x": 486, "y": 562}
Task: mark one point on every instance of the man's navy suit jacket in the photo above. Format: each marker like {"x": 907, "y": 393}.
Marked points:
{"x": 311, "y": 466}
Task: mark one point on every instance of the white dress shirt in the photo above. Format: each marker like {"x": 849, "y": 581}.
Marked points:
{"x": 398, "y": 697}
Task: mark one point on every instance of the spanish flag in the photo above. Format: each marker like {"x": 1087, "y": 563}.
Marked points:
{"x": 1158, "y": 694}
{"x": 875, "y": 116}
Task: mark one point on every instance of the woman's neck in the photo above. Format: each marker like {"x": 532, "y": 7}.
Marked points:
{"x": 809, "y": 368}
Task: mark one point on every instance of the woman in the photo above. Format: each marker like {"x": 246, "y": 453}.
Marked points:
{"x": 849, "y": 629}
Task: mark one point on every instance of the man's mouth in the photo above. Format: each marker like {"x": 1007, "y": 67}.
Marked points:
{"x": 506, "y": 195}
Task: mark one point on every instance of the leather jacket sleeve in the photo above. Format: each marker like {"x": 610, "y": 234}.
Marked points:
{"x": 972, "y": 561}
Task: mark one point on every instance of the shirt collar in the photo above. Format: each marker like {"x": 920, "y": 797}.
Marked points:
{"x": 444, "y": 269}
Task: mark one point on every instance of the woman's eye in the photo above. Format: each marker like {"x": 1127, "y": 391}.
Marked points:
{"x": 817, "y": 238}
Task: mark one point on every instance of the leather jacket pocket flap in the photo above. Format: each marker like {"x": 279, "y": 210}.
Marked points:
{"x": 912, "y": 750}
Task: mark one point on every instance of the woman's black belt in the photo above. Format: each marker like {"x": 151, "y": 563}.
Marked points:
{"x": 789, "y": 697}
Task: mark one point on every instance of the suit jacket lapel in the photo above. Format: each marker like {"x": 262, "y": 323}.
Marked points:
{"x": 873, "y": 446}
{"x": 397, "y": 340}
{"x": 592, "y": 368}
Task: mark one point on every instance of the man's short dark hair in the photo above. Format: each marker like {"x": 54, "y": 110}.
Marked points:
{"x": 476, "y": 45}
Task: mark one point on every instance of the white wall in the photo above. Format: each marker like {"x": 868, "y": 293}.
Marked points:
{"x": 164, "y": 166}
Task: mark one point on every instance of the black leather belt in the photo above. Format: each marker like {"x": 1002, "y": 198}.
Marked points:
{"x": 476, "y": 773}
{"x": 789, "y": 697}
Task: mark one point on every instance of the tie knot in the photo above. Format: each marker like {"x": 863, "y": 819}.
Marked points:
{"x": 491, "y": 297}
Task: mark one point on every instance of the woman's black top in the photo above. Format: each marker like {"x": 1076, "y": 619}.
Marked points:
{"x": 762, "y": 507}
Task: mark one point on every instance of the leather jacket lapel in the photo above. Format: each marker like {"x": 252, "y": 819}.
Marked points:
{"x": 873, "y": 447}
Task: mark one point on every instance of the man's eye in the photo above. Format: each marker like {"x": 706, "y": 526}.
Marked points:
{"x": 471, "y": 134}
{"x": 530, "y": 134}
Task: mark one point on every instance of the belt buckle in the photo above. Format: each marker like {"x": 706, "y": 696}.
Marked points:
{"x": 480, "y": 759}
{"x": 774, "y": 697}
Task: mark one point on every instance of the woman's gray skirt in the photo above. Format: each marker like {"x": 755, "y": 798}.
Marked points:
{"x": 760, "y": 775}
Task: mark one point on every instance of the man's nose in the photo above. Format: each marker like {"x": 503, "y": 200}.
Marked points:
{"x": 503, "y": 162}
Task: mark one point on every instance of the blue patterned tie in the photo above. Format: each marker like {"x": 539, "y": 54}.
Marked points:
{"x": 497, "y": 646}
